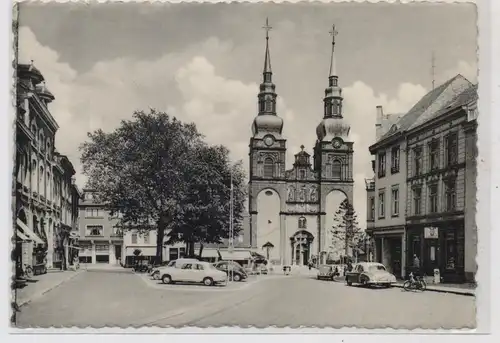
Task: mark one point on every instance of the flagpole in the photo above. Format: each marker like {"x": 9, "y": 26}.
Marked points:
{"x": 231, "y": 228}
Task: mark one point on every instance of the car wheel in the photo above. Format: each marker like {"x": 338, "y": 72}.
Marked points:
{"x": 208, "y": 281}
{"x": 166, "y": 279}
{"x": 156, "y": 275}
{"x": 237, "y": 277}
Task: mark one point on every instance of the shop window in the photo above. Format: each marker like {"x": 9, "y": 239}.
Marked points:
{"x": 417, "y": 201}
{"x": 100, "y": 248}
{"x": 450, "y": 252}
{"x": 102, "y": 258}
{"x": 85, "y": 259}
{"x": 433, "y": 198}
{"x": 173, "y": 254}
{"x": 415, "y": 247}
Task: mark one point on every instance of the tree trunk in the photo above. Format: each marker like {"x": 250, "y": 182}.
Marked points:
{"x": 160, "y": 235}
{"x": 201, "y": 250}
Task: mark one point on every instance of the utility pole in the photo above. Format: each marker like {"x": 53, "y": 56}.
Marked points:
{"x": 231, "y": 231}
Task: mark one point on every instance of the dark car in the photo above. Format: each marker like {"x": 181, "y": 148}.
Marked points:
{"x": 327, "y": 272}
{"x": 238, "y": 272}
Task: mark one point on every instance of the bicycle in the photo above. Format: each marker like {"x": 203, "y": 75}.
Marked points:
{"x": 27, "y": 271}
{"x": 415, "y": 283}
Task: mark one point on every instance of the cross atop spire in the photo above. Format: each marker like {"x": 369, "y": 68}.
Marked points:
{"x": 333, "y": 67}
{"x": 267, "y": 60}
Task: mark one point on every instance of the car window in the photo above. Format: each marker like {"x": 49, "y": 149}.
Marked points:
{"x": 199, "y": 267}
{"x": 360, "y": 269}
{"x": 187, "y": 266}
{"x": 171, "y": 264}
{"x": 376, "y": 267}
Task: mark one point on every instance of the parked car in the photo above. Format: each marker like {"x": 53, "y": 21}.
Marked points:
{"x": 239, "y": 273}
{"x": 327, "y": 272}
{"x": 195, "y": 272}
{"x": 369, "y": 274}
{"x": 156, "y": 271}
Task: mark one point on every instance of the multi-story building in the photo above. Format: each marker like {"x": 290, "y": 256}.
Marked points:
{"x": 441, "y": 157}
{"x": 41, "y": 175}
{"x": 414, "y": 146}
{"x": 100, "y": 237}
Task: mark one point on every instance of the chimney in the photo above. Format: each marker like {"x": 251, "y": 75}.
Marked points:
{"x": 378, "y": 122}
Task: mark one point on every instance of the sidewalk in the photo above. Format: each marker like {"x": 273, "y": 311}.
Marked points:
{"x": 41, "y": 284}
{"x": 461, "y": 289}
{"x": 105, "y": 268}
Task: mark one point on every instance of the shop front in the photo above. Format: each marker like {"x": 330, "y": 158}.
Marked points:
{"x": 389, "y": 249}
{"x": 438, "y": 246}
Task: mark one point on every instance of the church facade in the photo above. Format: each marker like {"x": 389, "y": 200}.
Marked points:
{"x": 292, "y": 210}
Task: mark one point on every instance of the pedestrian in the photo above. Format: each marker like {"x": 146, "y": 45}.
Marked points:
{"x": 416, "y": 265}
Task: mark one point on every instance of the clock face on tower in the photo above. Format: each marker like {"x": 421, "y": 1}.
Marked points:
{"x": 268, "y": 140}
{"x": 337, "y": 143}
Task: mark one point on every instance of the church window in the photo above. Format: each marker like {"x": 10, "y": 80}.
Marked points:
{"x": 302, "y": 223}
{"x": 302, "y": 174}
{"x": 335, "y": 107}
{"x": 336, "y": 169}
{"x": 269, "y": 105}
{"x": 261, "y": 106}
{"x": 328, "y": 109}
{"x": 268, "y": 167}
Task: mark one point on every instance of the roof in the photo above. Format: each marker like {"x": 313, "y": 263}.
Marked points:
{"x": 468, "y": 95}
{"x": 388, "y": 120}
{"x": 430, "y": 103}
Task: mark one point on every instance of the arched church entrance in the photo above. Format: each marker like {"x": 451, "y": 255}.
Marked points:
{"x": 301, "y": 247}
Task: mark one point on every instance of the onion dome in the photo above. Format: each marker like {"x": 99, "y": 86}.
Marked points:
{"x": 333, "y": 123}
{"x": 267, "y": 121}
{"x": 31, "y": 72}
{"x": 44, "y": 93}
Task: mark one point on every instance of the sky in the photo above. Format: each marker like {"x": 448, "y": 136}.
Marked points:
{"x": 203, "y": 63}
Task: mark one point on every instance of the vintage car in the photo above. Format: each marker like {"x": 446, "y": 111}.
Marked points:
{"x": 155, "y": 272}
{"x": 369, "y": 274}
{"x": 232, "y": 268}
{"x": 195, "y": 272}
{"x": 327, "y": 272}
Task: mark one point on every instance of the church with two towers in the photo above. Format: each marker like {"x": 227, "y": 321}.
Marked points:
{"x": 292, "y": 210}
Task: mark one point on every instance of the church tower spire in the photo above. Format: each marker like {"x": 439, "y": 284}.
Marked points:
{"x": 333, "y": 124}
{"x": 267, "y": 121}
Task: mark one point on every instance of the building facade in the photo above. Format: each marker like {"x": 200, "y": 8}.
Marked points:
{"x": 43, "y": 204}
{"x": 292, "y": 209}
{"x": 425, "y": 193}
{"x": 100, "y": 237}
{"x": 440, "y": 149}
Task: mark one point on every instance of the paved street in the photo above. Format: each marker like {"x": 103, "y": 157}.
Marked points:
{"x": 122, "y": 299}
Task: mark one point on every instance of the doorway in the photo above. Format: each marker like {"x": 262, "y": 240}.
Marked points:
{"x": 395, "y": 247}
{"x": 431, "y": 260}
{"x": 302, "y": 254}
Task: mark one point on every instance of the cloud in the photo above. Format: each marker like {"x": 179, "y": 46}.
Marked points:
{"x": 187, "y": 84}
{"x": 466, "y": 69}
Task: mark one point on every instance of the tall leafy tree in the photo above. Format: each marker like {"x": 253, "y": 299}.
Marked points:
{"x": 204, "y": 214}
{"x": 139, "y": 168}
{"x": 159, "y": 173}
{"x": 346, "y": 232}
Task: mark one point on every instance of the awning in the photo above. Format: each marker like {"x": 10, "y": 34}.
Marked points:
{"x": 22, "y": 236}
{"x": 33, "y": 236}
{"x": 73, "y": 247}
{"x": 236, "y": 255}
{"x": 209, "y": 253}
{"x": 145, "y": 251}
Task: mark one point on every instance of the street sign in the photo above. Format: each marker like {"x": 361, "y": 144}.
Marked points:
{"x": 431, "y": 232}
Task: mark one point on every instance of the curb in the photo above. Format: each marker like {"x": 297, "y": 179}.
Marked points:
{"x": 39, "y": 295}
{"x": 450, "y": 291}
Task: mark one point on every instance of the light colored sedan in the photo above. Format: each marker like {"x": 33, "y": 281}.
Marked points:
{"x": 369, "y": 274}
{"x": 193, "y": 271}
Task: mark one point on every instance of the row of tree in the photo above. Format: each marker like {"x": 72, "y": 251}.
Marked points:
{"x": 160, "y": 174}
